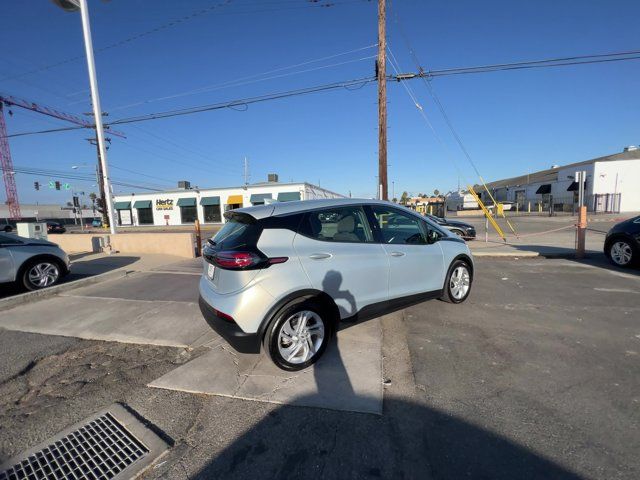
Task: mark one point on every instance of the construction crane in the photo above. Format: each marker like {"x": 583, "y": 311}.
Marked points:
{"x": 6, "y": 163}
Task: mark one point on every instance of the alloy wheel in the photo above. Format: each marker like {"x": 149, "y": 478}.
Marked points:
{"x": 621, "y": 253}
{"x": 460, "y": 282}
{"x": 43, "y": 274}
{"x": 301, "y": 336}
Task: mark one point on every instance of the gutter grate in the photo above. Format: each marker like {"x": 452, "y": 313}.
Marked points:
{"x": 98, "y": 449}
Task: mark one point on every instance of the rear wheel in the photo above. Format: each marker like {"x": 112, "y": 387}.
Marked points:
{"x": 40, "y": 274}
{"x": 621, "y": 253}
{"x": 458, "y": 284}
{"x": 298, "y": 336}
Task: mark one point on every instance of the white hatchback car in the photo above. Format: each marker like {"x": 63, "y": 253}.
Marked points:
{"x": 283, "y": 275}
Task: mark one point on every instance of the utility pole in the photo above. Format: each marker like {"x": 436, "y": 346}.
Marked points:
{"x": 382, "y": 100}
{"x": 97, "y": 112}
{"x": 100, "y": 182}
{"x": 246, "y": 172}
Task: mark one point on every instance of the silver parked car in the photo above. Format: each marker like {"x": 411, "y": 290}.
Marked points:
{"x": 30, "y": 263}
{"x": 283, "y": 275}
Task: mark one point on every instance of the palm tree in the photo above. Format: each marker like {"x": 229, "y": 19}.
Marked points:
{"x": 404, "y": 198}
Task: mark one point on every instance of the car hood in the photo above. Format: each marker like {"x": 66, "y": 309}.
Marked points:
{"x": 456, "y": 223}
{"x": 36, "y": 241}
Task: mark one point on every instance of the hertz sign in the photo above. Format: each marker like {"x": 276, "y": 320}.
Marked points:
{"x": 164, "y": 204}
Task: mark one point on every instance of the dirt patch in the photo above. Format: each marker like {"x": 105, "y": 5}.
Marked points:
{"x": 56, "y": 390}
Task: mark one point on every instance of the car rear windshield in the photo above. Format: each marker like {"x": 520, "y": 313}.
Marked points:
{"x": 238, "y": 233}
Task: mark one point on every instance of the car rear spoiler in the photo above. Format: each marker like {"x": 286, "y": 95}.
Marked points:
{"x": 241, "y": 217}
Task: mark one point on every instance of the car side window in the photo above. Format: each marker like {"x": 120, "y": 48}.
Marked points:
{"x": 343, "y": 224}
{"x": 397, "y": 227}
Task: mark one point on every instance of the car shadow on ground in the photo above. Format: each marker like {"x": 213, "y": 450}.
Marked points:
{"x": 409, "y": 440}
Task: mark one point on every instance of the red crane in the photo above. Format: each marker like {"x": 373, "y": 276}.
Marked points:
{"x": 5, "y": 154}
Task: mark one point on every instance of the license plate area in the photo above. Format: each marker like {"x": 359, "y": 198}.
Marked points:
{"x": 211, "y": 270}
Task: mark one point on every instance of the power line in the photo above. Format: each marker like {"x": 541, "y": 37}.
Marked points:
{"x": 78, "y": 176}
{"x": 396, "y": 67}
{"x": 123, "y": 41}
{"x": 50, "y": 130}
{"x": 245, "y": 80}
{"x": 238, "y": 104}
{"x": 170, "y": 24}
{"x": 548, "y": 63}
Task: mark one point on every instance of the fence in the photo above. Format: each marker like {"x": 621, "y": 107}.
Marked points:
{"x": 605, "y": 202}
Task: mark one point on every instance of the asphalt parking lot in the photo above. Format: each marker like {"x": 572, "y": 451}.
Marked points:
{"x": 535, "y": 376}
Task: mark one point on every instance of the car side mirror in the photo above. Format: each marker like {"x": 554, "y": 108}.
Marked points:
{"x": 432, "y": 236}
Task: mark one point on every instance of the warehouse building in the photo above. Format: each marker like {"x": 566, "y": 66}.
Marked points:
{"x": 185, "y": 204}
{"x": 611, "y": 186}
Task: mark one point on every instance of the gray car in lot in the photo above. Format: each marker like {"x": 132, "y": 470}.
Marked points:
{"x": 30, "y": 263}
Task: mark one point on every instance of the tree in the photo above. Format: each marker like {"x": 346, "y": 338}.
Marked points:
{"x": 394, "y": 200}
{"x": 96, "y": 202}
{"x": 436, "y": 192}
{"x": 404, "y": 198}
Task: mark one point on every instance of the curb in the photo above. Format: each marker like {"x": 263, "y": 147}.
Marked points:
{"x": 550, "y": 255}
{"x": 505, "y": 254}
{"x": 10, "y": 302}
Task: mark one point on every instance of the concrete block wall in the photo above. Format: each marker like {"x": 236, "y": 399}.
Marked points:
{"x": 178, "y": 244}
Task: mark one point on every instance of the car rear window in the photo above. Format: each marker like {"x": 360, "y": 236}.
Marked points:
{"x": 237, "y": 233}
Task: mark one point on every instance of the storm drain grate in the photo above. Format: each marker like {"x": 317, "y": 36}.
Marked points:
{"x": 99, "y": 449}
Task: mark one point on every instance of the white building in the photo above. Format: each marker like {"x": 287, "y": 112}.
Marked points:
{"x": 460, "y": 200}
{"x": 611, "y": 185}
{"x": 33, "y": 212}
{"x": 185, "y": 205}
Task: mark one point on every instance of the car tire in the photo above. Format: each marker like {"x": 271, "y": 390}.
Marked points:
{"x": 292, "y": 349}
{"x": 621, "y": 252}
{"x": 459, "y": 233}
{"x": 458, "y": 282}
{"x": 40, "y": 273}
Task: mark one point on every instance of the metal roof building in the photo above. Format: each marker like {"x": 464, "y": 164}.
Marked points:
{"x": 611, "y": 185}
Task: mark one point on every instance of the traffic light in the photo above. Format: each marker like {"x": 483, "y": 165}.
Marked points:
{"x": 57, "y": 185}
{"x": 36, "y": 185}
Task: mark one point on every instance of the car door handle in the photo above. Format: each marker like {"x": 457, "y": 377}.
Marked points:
{"x": 397, "y": 254}
{"x": 320, "y": 256}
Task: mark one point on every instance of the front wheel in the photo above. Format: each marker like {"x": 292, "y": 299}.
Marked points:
{"x": 458, "y": 284}
{"x": 40, "y": 274}
{"x": 621, "y": 253}
{"x": 298, "y": 336}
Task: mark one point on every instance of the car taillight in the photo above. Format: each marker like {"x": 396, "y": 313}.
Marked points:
{"x": 236, "y": 259}
{"x": 232, "y": 260}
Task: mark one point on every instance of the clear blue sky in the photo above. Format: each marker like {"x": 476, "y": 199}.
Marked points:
{"x": 511, "y": 122}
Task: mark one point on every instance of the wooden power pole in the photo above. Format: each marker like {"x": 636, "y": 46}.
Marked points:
{"x": 382, "y": 102}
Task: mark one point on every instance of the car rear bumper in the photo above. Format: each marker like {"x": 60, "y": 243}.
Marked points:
{"x": 241, "y": 341}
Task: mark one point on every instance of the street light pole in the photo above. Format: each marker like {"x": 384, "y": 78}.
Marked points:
{"x": 97, "y": 111}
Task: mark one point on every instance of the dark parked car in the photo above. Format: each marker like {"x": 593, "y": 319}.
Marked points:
{"x": 622, "y": 243}
{"x": 5, "y": 227}
{"x": 55, "y": 227}
{"x": 462, "y": 229}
